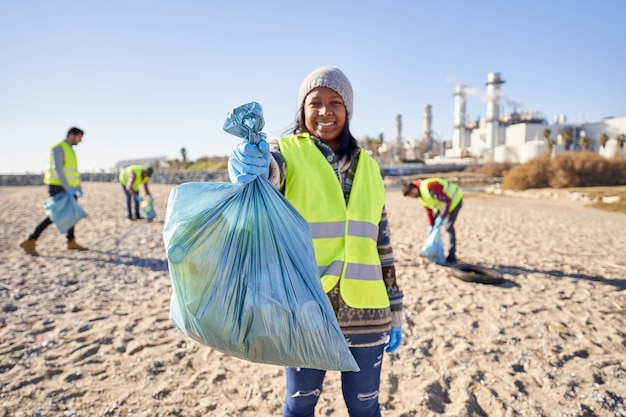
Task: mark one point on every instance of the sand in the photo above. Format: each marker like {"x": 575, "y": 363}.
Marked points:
{"x": 88, "y": 333}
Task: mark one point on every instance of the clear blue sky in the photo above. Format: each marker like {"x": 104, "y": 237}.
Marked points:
{"x": 147, "y": 78}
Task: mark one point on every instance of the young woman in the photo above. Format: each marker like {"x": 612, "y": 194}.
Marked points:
{"x": 337, "y": 187}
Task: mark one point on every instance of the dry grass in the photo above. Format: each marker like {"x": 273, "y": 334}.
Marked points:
{"x": 491, "y": 169}
{"x": 566, "y": 170}
{"x": 532, "y": 174}
{"x": 596, "y": 193}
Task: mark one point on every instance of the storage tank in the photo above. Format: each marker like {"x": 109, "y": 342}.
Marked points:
{"x": 501, "y": 154}
{"x": 610, "y": 150}
{"x": 532, "y": 149}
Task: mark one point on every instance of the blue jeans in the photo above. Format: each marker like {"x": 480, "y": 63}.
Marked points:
{"x": 129, "y": 201}
{"x": 449, "y": 225}
{"x": 360, "y": 389}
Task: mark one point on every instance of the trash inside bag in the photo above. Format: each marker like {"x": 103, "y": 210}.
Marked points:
{"x": 243, "y": 271}
{"x": 64, "y": 211}
{"x": 433, "y": 247}
{"x": 147, "y": 208}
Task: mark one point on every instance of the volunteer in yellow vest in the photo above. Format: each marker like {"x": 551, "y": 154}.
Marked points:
{"x": 338, "y": 189}
{"x": 61, "y": 175}
{"x": 443, "y": 201}
{"x": 131, "y": 178}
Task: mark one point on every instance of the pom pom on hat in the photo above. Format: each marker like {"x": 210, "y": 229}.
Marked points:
{"x": 329, "y": 77}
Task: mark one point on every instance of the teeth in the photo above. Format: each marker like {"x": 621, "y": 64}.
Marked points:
{"x": 326, "y": 124}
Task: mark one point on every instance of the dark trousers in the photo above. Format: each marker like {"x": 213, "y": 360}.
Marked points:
{"x": 360, "y": 389}
{"x": 129, "y": 201}
{"x": 449, "y": 226}
{"x": 52, "y": 190}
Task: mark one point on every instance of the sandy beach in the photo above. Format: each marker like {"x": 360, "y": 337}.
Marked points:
{"x": 88, "y": 333}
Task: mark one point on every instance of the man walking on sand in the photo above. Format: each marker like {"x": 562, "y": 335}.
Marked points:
{"x": 61, "y": 176}
{"x": 442, "y": 200}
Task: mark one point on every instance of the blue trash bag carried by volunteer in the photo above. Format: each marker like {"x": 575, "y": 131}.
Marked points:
{"x": 433, "y": 246}
{"x": 64, "y": 211}
{"x": 243, "y": 270}
{"x": 147, "y": 208}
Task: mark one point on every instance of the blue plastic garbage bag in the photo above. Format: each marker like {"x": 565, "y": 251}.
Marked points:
{"x": 433, "y": 247}
{"x": 147, "y": 208}
{"x": 64, "y": 211}
{"x": 243, "y": 271}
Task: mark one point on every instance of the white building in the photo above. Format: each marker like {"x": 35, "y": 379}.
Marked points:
{"x": 518, "y": 137}
{"x": 159, "y": 161}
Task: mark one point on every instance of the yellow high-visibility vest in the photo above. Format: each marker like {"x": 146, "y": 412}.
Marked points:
{"x": 139, "y": 180}
{"x": 453, "y": 191}
{"x": 344, "y": 237}
{"x": 70, "y": 167}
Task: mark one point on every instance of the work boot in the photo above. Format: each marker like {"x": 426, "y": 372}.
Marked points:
{"x": 72, "y": 245}
{"x": 29, "y": 246}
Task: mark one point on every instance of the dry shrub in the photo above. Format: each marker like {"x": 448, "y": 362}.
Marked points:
{"x": 618, "y": 168}
{"x": 562, "y": 171}
{"x": 491, "y": 169}
{"x": 532, "y": 174}
{"x": 569, "y": 169}
{"x": 583, "y": 169}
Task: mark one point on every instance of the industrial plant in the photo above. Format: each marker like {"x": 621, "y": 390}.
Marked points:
{"x": 514, "y": 137}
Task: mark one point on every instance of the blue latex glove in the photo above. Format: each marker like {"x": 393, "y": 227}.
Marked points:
{"x": 73, "y": 192}
{"x": 248, "y": 161}
{"x": 395, "y": 338}
{"x": 430, "y": 229}
{"x": 138, "y": 198}
{"x": 438, "y": 221}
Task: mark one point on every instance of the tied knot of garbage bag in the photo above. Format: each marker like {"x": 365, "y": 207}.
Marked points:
{"x": 246, "y": 122}
{"x": 251, "y": 158}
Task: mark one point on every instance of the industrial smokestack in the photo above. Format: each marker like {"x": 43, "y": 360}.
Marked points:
{"x": 427, "y": 122}
{"x": 493, "y": 103}
{"x": 458, "y": 139}
{"x": 398, "y": 129}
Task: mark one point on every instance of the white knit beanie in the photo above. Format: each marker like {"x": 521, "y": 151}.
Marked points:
{"x": 329, "y": 77}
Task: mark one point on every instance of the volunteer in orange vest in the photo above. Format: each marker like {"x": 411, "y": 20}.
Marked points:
{"x": 443, "y": 201}
{"x": 337, "y": 187}
{"x": 61, "y": 176}
{"x": 131, "y": 178}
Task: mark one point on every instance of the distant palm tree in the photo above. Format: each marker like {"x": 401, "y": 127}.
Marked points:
{"x": 183, "y": 153}
{"x": 603, "y": 139}
{"x": 549, "y": 141}
{"x": 566, "y": 138}
{"x": 584, "y": 143}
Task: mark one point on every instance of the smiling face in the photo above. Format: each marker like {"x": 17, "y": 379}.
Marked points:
{"x": 325, "y": 115}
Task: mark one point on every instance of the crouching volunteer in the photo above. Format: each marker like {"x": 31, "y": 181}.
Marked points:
{"x": 443, "y": 201}
{"x": 131, "y": 178}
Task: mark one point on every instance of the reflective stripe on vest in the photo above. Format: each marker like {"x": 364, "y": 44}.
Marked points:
{"x": 344, "y": 237}
{"x": 453, "y": 191}
{"x": 70, "y": 167}
{"x": 337, "y": 229}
